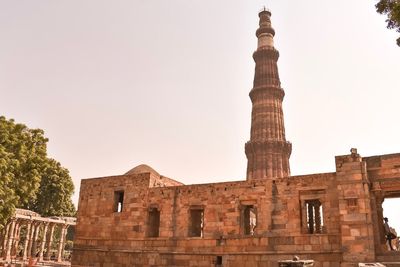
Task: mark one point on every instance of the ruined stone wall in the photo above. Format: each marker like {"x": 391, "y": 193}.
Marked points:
{"x": 281, "y": 225}
{"x": 347, "y": 228}
{"x": 384, "y": 174}
{"x": 98, "y": 223}
{"x": 356, "y": 221}
{"x": 385, "y": 169}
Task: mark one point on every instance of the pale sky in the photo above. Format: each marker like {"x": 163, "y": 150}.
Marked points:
{"x": 115, "y": 84}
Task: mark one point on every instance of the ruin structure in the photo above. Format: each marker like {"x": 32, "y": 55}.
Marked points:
{"x": 37, "y": 239}
{"x": 143, "y": 218}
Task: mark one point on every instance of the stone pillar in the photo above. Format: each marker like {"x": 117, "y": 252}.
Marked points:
{"x": 33, "y": 242}
{"x": 377, "y": 215}
{"x": 31, "y": 237}
{"x": 42, "y": 245}
{"x": 356, "y": 227}
{"x": 27, "y": 239}
{"x": 65, "y": 238}
{"x": 379, "y": 202}
{"x": 10, "y": 240}
{"x": 35, "y": 238}
{"x": 17, "y": 237}
{"x": 2, "y": 232}
{"x": 61, "y": 244}
{"x": 50, "y": 241}
{"x": 310, "y": 218}
{"x": 5, "y": 240}
{"x": 317, "y": 206}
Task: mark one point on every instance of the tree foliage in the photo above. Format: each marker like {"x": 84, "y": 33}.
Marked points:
{"x": 28, "y": 176}
{"x": 391, "y": 8}
{"x": 55, "y": 190}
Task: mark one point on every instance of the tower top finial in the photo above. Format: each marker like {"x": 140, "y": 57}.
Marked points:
{"x": 265, "y": 32}
{"x": 264, "y": 9}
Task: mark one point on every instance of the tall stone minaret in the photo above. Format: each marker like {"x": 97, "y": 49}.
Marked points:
{"x": 267, "y": 151}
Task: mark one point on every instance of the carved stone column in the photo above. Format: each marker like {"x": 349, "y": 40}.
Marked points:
{"x": 65, "y": 238}
{"x": 50, "y": 241}
{"x": 31, "y": 237}
{"x": 310, "y": 218}
{"x": 5, "y": 240}
{"x": 10, "y": 240}
{"x": 42, "y": 245}
{"x": 27, "y": 239}
{"x": 17, "y": 238}
{"x": 2, "y": 232}
{"x": 62, "y": 243}
{"x": 35, "y": 238}
{"x": 317, "y": 206}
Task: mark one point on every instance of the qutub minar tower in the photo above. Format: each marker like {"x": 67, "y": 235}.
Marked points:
{"x": 142, "y": 218}
{"x": 267, "y": 151}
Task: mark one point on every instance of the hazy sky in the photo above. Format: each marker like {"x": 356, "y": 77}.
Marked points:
{"x": 118, "y": 83}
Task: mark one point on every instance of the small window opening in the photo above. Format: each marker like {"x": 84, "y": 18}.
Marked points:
{"x": 154, "y": 223}
{"x": 118, "y": 201}
{"x": 196, "y": 222}
{"x": 218, "y": 261}
{"x": 249, "y": 219}
{"x": 315, "y": 216}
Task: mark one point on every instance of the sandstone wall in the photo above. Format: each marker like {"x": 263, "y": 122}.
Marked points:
{"x": 280, "y": 232}
{"x": 347, "y": 229}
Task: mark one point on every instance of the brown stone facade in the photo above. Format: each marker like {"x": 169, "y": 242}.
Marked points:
{"x": 332, "y": 218}
{"x": 142, "y": 218}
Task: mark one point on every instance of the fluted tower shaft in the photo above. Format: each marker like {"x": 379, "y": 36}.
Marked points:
{"x": 267, "y": 151}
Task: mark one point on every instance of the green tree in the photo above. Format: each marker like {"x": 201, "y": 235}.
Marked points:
{"x": 55, "y": 191}
{"x": 24, "y": 167}
{"x": 391, "y": 8}
{"x": 8, "y": 198}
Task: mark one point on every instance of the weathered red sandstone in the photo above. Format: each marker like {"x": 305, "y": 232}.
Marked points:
{"x": 145, "y": 219}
